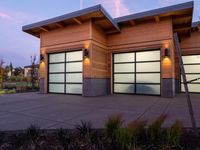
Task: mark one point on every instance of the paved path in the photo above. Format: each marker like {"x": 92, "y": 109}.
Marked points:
{"x": 18, "y": 111}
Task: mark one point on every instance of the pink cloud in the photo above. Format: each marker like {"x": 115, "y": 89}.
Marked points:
{"x": 4, "y": 16}
{"x": 115, "y": 7}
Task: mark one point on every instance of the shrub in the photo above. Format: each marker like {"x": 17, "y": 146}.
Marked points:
{"x": 155, "y": 133}
{"x": 84, "y": 129}
{"x": 64, "y": 138}
{"x": 112, "y": 126}
{"x": 33, "y": 133}
{"x": 1, "y": 138}
{"x": 125, "y": 138}
{"x": 174, "y": 134}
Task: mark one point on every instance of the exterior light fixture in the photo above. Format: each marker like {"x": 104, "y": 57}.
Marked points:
{"x": 85, "y": 52}
{"x": 167, "y": 53}
{"x": 41, "y": 58}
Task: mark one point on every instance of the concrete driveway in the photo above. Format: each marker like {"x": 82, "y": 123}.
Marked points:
{"x": 18, "y": 111}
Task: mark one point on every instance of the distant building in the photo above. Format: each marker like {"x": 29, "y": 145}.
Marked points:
{"x": 27, "y": 70}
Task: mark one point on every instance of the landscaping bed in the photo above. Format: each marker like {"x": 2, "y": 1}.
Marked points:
{"x": 115, "y": 136}
{"x": 17, "y": 87}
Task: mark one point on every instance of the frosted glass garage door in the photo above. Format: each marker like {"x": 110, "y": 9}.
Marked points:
{"x": 192, "y": 70}
{"x": 137, "y": 72}
{"x": 65, "y": 73}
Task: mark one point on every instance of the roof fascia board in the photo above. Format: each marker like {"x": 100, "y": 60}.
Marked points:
{"x": 63, "y": 17}
{"x": 164, "y": 10}
{"x": 72, "y": 15}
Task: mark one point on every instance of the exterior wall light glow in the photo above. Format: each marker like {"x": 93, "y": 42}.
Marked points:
{"x": 167, "y": 53}
{"x": 86, "y": 53}
{"x": 41, "y": 58}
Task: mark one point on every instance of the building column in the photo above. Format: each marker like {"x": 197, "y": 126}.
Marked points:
{"x": 168, "y": 81}
{"x": 96, "y": 87}
{"x": 43, "y": 72}
{"x": 168, "y": 87}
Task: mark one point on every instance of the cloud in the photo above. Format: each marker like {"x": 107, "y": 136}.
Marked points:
{"x": 4, "y": 15}
{"x": 15, "y": 45}
{"x": 115, "y": 7}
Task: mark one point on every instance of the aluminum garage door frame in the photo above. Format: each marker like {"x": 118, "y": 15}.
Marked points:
{"x": 135, "y": 63}
{"x": 61, "y": 73}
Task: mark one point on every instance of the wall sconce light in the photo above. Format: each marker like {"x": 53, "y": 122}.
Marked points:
{"x": 167, "y": 53}
{"x": 41, "y": 58}
{"x": 85, "y": 52}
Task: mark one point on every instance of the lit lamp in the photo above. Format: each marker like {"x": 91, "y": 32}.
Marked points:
{"x": 41, "y": 58}
{"x": 167, "y": 53}
{"x": 86, "y": 53}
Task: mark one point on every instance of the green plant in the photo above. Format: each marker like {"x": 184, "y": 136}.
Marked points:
{"x": 64, "y": 138}
{"x": 128, "y": 136}
{"x": 1, "y": 137}
{"x": 33, "y": 133}
{"x": 174, "y": 134}
{"x": 125, "y": 138}
{"x": 155, "y": 133}
{"x": 112, "y": 125}
{"x": 84, "y": 129}
{"x": 138, "y": 130}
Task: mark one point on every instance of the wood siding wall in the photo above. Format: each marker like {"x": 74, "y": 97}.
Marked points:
{"x": 191, "y": 45}
{"x": 69, "y": 34}
{"x": 70, "y": 38}
{"x": 144, "y": 33}
{"x": 152, "y": 35}
{"x": 99, "y": 56}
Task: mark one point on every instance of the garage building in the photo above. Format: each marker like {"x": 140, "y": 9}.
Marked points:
{"x": 89, "y": 53}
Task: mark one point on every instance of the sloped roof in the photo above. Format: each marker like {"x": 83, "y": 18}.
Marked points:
{"x": 69, "y": 16}
{"x": 161, "y": 11}
{"x": 98, "y": 12}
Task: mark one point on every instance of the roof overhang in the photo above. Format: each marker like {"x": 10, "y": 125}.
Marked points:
{"x": 78, "y": 17}
{"x": 196, "y": 26}
{"x": 181, "y": 15}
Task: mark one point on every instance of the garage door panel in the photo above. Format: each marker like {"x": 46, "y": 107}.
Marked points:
{"x": 142, "y": 75}
{"x": 193, "y": 59}
{"x": 57, "y": 78}
{"x": 74, "y": 56}
{"x": 65, "y": 72}
{"x": 128, "y": 67}
{"x": 126, "y": 57}
{"x": 192, "y": 88}
{"x": 53, "y": 68}
{"x": 147, "y": 89}
{"x": 148, "y": 67}
{"x": 192, "y": 68}
{"x": 124, "y": 88}
{"x": 127, "y": 78}
{"x": 190, "y": 77}
{"x": 54, "y": 58}
{"x": 74, "y": 77}
{"x": 57, "y": 88}
{"x": 148, "y": 56}
{"x": 74, "y": 67}
{"x": 148, "y": 78}
{"x": 74, "y": 88}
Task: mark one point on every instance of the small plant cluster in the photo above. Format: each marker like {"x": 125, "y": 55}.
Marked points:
{"x": 136, "y": 135}
{"x": 6, "y": 91}
{"x": 116, "y": 135}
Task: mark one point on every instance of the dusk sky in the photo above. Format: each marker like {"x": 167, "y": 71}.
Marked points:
{"x": 17, "y": 47}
